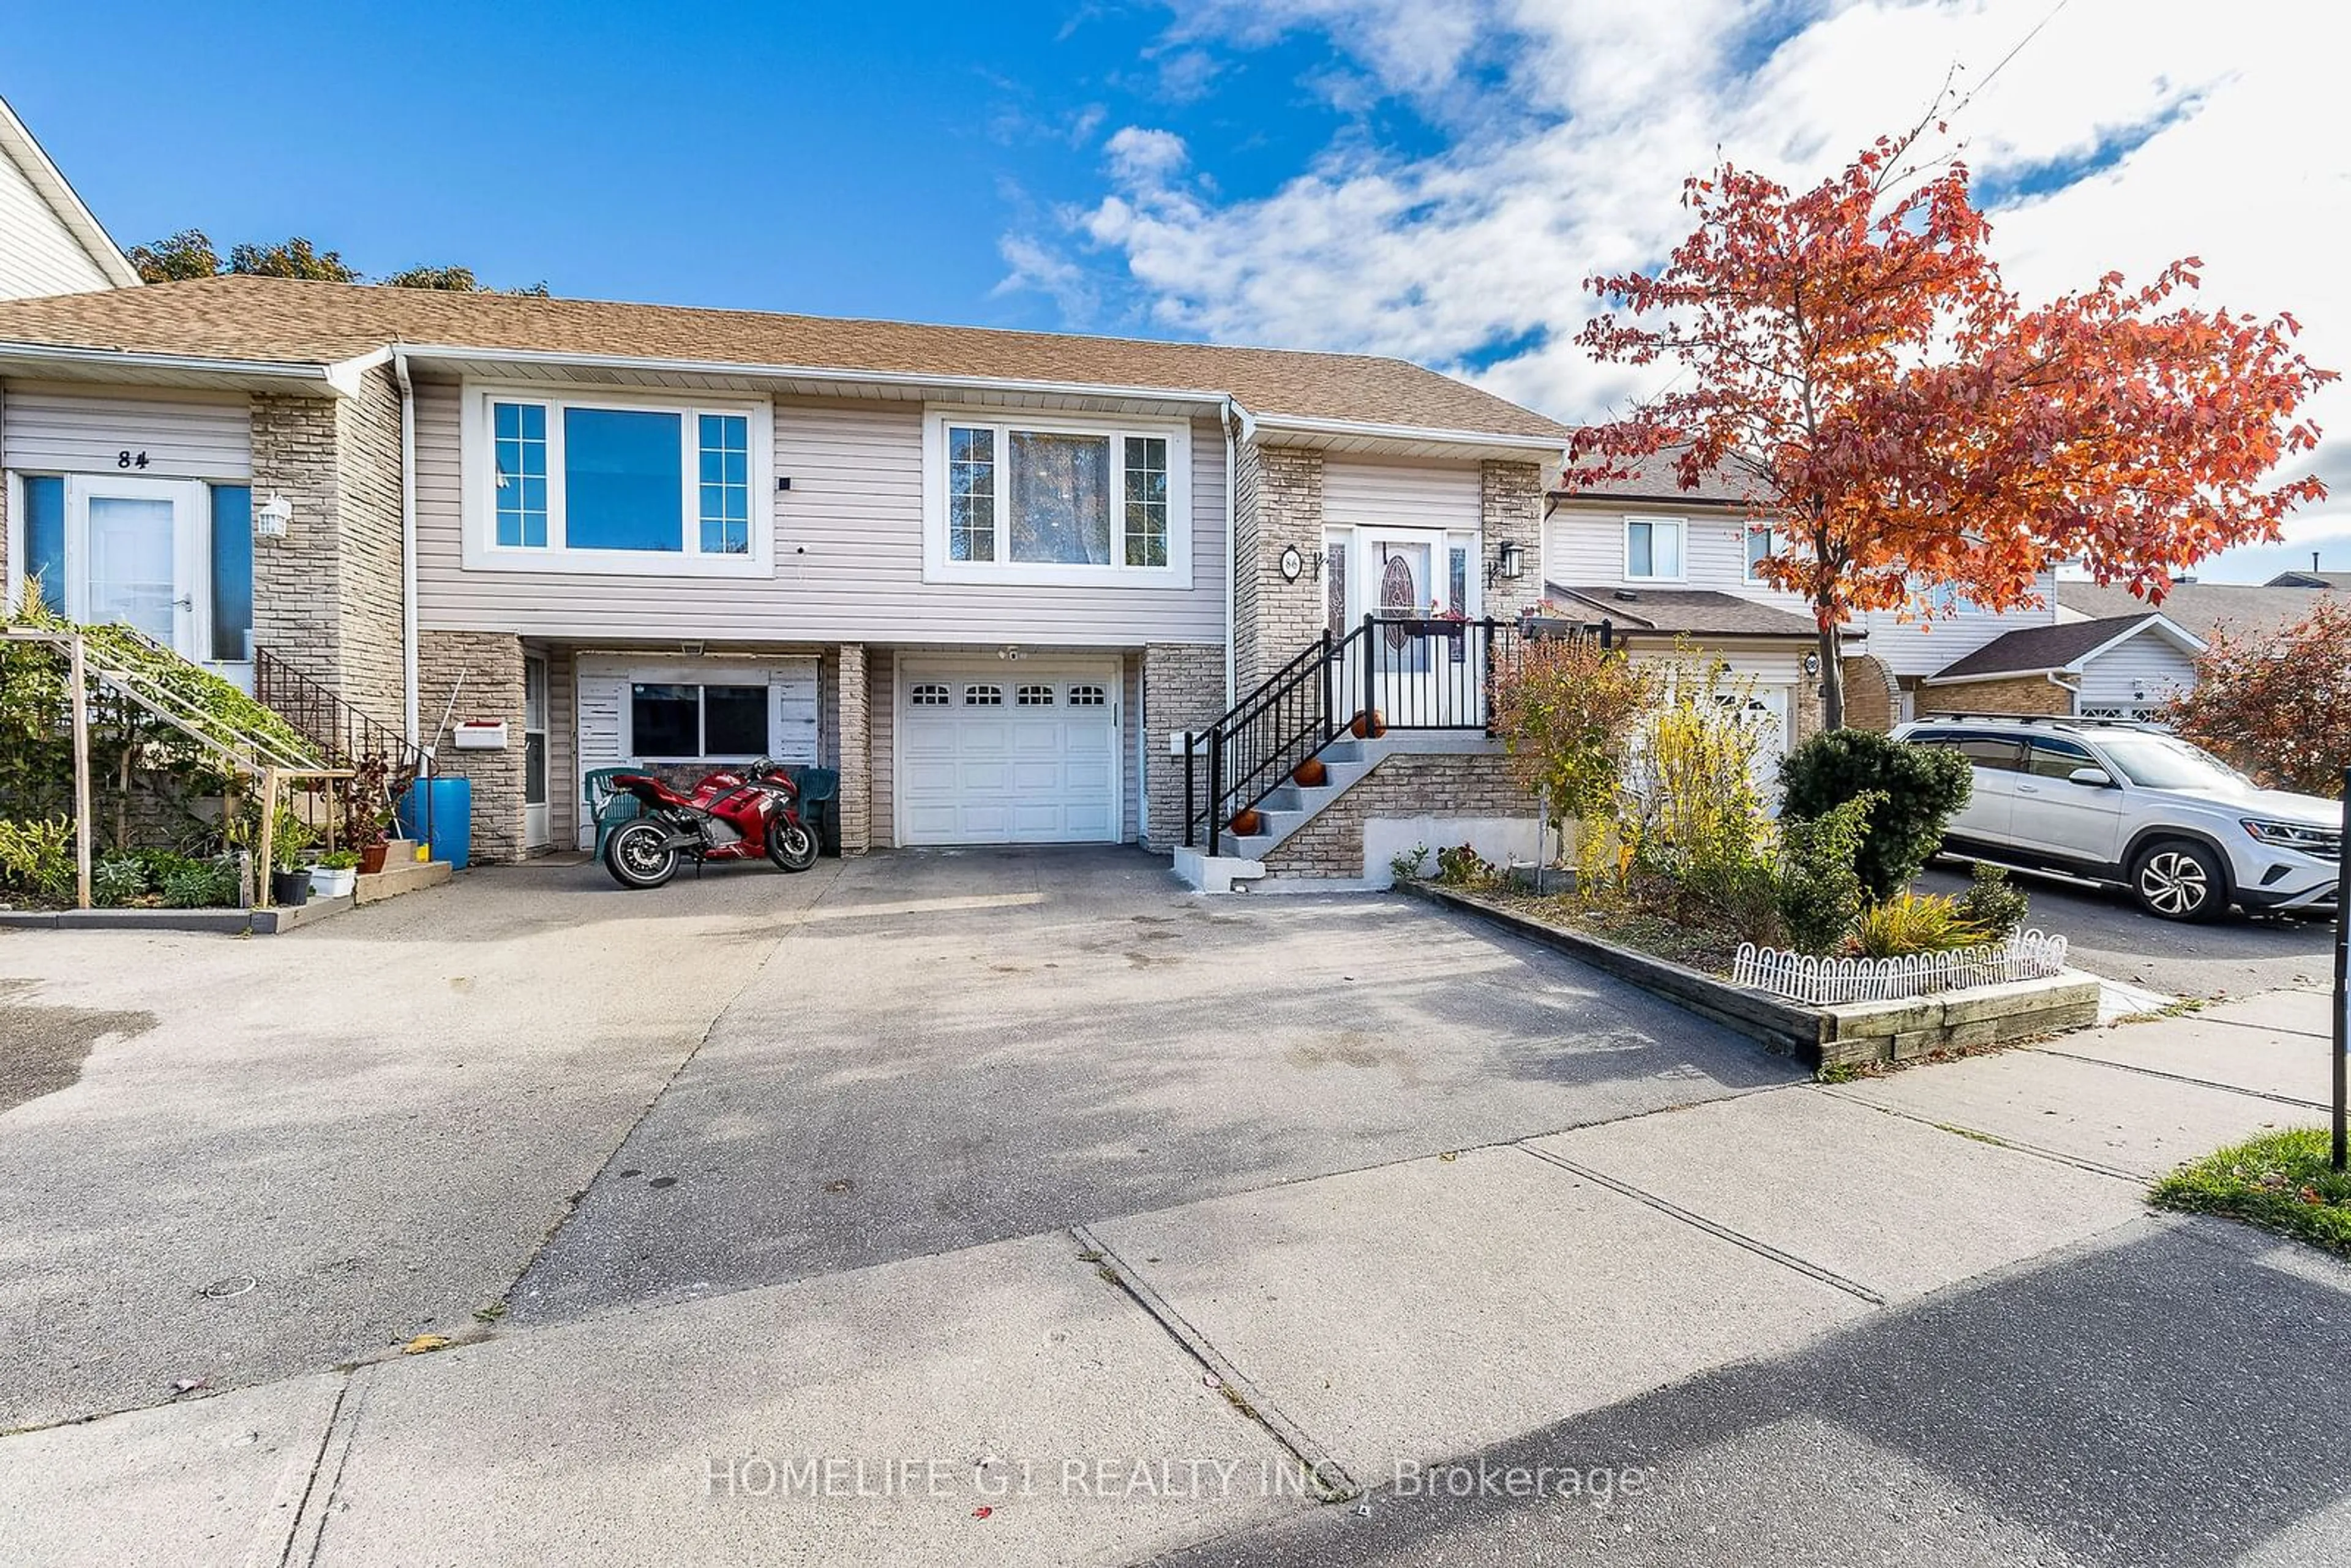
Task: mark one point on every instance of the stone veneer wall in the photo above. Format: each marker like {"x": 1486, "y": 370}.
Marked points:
{"x": 489, "y": 665}
{"x": 1283, "y": 617}
{"x": 1511, "y": 503}
{"x": 2025, "y": 694}
{"x": 1408, "y": 784}
{"x": 853, "y": 750}
{"x": 1249, "y": 475}
{"x": 1183, "y": 689}
{"x": 327, "y": 596}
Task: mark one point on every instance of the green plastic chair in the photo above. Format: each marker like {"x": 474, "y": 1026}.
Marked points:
{"x": 819, "y": 791}
{"x": 608, "y": 808}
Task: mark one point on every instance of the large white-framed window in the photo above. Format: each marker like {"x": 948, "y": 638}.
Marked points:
{"x": 621, "y": 483}
{"x": 1653, "y": 549}
{"x": 1053, "y": 500}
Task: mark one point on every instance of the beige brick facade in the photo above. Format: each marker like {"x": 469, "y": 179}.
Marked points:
{"x": 2025, "y": 694}
{"x": 1872, "y": 698}
{"x": 1183, "y": 689}
{"x": 327, "y": 596}
{"x": 1248, "y": 473}
{"x": 484, "y": 670}
{"x": 1403, "y": 786}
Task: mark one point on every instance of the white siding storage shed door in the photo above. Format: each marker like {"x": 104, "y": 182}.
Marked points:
{"x": 1012, "y": 752}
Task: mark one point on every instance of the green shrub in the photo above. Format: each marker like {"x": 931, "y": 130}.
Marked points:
{"x": 339, "y": 860}
{"x": 1918, "y": 788}
{"x": 1463, "y": 866}
{"x": 1994, "y": 904}
{"x": 1819, "y": 894}
{"x": 200, "y": 884}
{"x": 117, "y": 878}
{"x": 1740, "y": 896}
{"x": 38, "y": 857}
{"x": 1914, "y": 923}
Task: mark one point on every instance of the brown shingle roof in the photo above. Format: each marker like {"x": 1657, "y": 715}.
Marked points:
{"x": 269, "y": 319}
{"x": 2200, "y": 608}
{"x": 1657, "y": 478}
{"x": 1697, "y": 612}
{"x": 2030, "y": 649}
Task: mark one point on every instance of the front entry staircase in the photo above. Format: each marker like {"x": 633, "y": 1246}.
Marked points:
{"x": 1392, "y": 683}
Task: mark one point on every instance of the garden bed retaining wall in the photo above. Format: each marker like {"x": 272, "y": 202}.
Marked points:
{"x": 1845, "y": 1034}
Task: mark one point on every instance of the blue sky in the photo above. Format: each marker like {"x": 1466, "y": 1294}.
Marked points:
{"x": 1427, "y": 179}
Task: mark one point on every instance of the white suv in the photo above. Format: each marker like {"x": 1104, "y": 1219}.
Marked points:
{"x": 2125, "y": 803}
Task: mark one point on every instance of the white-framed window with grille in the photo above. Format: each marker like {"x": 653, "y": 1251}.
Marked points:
{"x": 1032, "y": 695}
{"x": 983, "y": 696}
{"x": 930, "y": 694}
{"x": 1051, "y": 500}
{"x": 1087, "y": 695}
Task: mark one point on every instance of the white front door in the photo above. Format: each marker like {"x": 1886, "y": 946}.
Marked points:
{"x": 1403, "y": 576}
{"x": 1012, "y": 752}
{"x": 535, "y": 830}
{"x": 132, "y": 559}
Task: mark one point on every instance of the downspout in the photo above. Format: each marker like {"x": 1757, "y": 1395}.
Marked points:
{"x": 408, "y": 657}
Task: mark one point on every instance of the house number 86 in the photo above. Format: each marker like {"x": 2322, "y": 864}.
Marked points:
{"x": 127, "y": 458}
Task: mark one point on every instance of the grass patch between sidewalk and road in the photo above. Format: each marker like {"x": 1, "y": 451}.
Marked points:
{"x": 2279, "y": 1181}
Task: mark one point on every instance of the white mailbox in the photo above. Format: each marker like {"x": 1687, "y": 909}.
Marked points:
{"x": 481, "y": 735}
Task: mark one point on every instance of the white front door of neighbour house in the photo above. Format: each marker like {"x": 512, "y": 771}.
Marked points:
{"x": 133, "y": 557}
{"x": 1416, "y": 676}
{"x": 1009, "y": 752}
{"x": 1764, "y": 710}
{"x": 535, "y": 829}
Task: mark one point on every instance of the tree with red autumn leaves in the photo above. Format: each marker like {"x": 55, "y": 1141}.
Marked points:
{"x": 1850, "y": 355}
{"x": 2276, "y": 704}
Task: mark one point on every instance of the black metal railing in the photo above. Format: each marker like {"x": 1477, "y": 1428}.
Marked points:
{"x": 349, "y": 735}
{"x": 1388, "y": 673}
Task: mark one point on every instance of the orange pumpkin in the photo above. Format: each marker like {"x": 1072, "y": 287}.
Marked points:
{"x": 1312, "y": 774}
{"x": 1248, "y": 823}
{"x": 1368, "y": 725}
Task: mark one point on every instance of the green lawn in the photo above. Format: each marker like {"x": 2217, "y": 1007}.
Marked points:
{"x": 2280, "y": 1182}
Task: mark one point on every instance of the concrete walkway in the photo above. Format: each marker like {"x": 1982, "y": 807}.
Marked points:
{"x": 1184, "y": 1376}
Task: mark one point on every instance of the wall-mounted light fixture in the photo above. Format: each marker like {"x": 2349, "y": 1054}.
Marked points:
{"x": 1293, "y": 563}
{"x": 1008, "y": 653}
{"x": 270, "y": 518}
{"x": 1509, "y": 562}
{"x": 1811, "y": 663}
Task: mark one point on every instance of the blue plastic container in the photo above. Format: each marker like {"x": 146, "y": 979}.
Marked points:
{"x": 439, "y": 812}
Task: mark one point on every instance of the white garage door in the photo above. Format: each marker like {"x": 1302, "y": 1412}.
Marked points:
{"x": 1017, "y": 753}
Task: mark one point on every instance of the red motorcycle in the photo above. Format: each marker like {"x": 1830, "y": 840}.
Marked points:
{"x": 730, "y": 816}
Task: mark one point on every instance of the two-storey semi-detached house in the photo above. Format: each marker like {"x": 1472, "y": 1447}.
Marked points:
{"x": 994, "y": 578}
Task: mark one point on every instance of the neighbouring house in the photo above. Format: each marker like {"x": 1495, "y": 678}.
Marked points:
{"x": 997, "y": 579}
{"x": 2123, "y": 667}
{"x": 2311, "y": 579}
{"x": 2197, "y": 608}
{"x": 50, "y": 242}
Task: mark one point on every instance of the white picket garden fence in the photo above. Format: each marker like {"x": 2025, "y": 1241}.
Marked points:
{"x": 1814, "y": 980}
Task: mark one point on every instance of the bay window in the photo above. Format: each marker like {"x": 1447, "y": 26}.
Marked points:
{"x": 1055, "y": 501}
{"x": 582, "y": 484}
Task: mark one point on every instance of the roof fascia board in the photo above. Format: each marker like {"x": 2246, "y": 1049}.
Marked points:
{"x": 192, "y": 364}
{"x": 421, "y": 353}
{"x": 1304, "y": 425}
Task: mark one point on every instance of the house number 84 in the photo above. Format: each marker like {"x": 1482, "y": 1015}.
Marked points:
{"x": 126, "y": 458}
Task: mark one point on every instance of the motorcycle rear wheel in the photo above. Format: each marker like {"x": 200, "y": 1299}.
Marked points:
{"x": 640, "y": 855}
{"x": 791, "y": 845}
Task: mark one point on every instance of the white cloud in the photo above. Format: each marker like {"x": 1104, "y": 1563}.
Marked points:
{"x": 1573, "y": 122}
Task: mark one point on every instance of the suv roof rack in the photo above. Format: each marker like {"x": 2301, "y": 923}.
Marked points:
{"x": 1971, "y": 717}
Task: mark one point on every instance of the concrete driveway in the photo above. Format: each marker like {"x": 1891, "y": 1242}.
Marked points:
{"x": 235, "y": 1161}
{"x": 959, "y": 1047}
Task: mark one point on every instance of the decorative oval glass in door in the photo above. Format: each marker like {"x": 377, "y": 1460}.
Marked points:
{"x": 1399, "y": 596}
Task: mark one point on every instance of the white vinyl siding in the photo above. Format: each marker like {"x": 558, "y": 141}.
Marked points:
{"x": 848, "y": 556}
{"x": 2142, "y": 673}
{"x": 601, "y": 715}
{"x": 1359, "y": 492}
{"x": 881, "y": 716}
{"x": 1922, "y": 648}
{"x": 50, "y": 430}
{"x": 1583, "y": 547}
{"x": 38, "y": 254}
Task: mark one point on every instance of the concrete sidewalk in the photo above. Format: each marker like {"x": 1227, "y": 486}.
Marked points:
{"x": 1169, "y": 1377}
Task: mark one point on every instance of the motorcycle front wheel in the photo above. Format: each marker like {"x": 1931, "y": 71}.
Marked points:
{"x": 640, "y": 855}
{"x": 791, "y": 845}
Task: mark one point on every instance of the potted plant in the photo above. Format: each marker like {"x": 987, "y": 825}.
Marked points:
{"x": 335, "y": 874}
{"x": 289, "y": 878}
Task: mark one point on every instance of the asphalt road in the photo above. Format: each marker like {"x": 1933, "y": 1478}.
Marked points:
{"x": 2176, "y": 1402}
{"x": 2233, "y": 956}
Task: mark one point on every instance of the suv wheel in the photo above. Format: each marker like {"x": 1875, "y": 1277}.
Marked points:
{"x": 2178, "y": 879}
